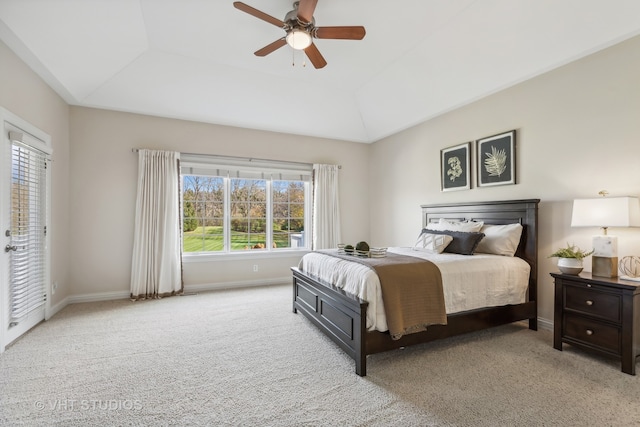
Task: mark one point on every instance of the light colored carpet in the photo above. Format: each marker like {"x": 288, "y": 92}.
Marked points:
{"x": 241, "y": 357}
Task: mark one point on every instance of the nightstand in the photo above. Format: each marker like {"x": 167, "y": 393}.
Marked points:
{"x": 600, "y": 314}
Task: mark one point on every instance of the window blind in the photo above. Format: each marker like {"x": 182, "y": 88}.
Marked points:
{"x": 236, "y": 167}
{"x": 28, "y": 230}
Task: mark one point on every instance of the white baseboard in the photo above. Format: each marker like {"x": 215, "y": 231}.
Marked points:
{"x": 72, "y": 299}
{"x": 56, "y": 308}
{"x": 107, "y": 296}
{"x": 240, "y": 284}
{"x": 545, "y": 324}
{"x": 100, "y": 296}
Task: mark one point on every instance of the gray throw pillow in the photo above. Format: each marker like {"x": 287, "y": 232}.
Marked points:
{"x": 464, "y": 243}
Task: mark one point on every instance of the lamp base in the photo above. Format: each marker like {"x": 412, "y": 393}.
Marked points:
{"x": 604, "y": 266}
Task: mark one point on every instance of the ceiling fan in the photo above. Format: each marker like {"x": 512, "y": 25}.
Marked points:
{"x": 300, "y": 28}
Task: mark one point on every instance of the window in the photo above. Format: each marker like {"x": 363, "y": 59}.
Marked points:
{"x": 232, "y": 205}
{"x": 24, "y": 215}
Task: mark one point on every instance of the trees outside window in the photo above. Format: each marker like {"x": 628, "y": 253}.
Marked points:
{"x": 224, "y": 214}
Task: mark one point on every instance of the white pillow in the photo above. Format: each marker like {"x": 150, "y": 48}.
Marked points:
{"x": 500, "y": 239}
{"x": 434, "y": 243}
{"x": 446, "y": 225}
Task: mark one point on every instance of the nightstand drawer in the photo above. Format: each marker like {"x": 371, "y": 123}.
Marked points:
{"x": 593, "y": 302}
{"x": 591, "y": 333}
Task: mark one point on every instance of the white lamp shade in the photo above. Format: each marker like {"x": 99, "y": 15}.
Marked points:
{"x": 606, "y": 212}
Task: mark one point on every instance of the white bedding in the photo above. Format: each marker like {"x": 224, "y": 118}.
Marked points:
{"x": 469, "y": 281}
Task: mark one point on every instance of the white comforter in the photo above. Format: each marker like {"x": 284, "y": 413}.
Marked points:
{"x": 469, "y": 282}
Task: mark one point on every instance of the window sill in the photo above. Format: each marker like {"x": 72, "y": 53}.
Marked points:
{"x": 244, "y": 255}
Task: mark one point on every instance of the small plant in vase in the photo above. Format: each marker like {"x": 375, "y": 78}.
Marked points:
{"x": 570, "y": 259}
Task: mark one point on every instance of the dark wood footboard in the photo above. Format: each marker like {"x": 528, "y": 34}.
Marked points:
{"x": 342, "y": 317}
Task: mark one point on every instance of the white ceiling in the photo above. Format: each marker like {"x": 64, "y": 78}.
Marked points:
{"x": 193, "y": 59}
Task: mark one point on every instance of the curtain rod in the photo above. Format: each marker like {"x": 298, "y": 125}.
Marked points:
{"x": 248, "y": 159}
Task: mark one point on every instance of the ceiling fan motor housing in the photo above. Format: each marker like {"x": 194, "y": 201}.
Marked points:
{"x": 291, "y": 20}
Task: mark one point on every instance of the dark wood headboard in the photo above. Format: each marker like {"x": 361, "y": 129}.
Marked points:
{"x": 524, "y": 212}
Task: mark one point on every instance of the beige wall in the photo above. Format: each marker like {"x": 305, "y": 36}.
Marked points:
{"x": 578, "y": 130}
{"x": 103, "y": 190}
{"x": 25, "y": 95}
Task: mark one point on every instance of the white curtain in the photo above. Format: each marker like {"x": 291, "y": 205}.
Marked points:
{"x": 326, "y": 208}
{"x": 156, "y": 269}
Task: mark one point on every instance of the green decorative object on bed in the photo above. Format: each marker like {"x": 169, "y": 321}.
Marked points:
{"x": 362, "y": 247}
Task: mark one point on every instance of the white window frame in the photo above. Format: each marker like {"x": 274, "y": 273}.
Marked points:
{"x": 41, "y": 141}
{"x": 270, "y": 170}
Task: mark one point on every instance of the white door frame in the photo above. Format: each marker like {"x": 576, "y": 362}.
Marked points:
{"x": 42, "y": 141}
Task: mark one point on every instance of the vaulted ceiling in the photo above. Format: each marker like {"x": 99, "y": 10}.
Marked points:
{"x": 193, "y": 59}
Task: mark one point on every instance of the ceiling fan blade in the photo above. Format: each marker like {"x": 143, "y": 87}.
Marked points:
{"x": 271, "y": 47}
{"x": 258, "y": 14}
{"x": 315, "y": 56}
{"x": 350, "y": 33}
{"x": 306, "y": 9}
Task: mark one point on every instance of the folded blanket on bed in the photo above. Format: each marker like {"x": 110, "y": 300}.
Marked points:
{"x": 411, "y": 291}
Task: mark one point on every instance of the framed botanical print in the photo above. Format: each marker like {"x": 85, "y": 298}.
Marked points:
{"x": 496, "y": 163}
{"x": 455, "y": 165}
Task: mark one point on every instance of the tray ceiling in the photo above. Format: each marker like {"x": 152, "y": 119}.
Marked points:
{"x": 193, "y": 59}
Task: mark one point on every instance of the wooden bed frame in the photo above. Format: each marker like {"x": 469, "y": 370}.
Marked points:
{"x": 342, "y": 316}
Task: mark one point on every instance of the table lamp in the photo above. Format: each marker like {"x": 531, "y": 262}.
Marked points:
{"x": 605, "y": 212}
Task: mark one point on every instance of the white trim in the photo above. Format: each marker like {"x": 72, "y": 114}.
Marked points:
{"x": 240, "y": 284}
{"x": 110, "y": 296}
{"x": 28, "y": 129}
{"x": 545, "y": 324}
{"x": 189, "y": 257}
{"x": 211, "y": 161}
{"x": 26, "y": 139}
{"x": 98, "y": 296}
{"x": 42, "y": 141}
{"x": 56, "y": 308}
{"x": 230, "y": 168}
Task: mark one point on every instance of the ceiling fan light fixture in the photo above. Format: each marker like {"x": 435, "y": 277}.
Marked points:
{"x": 298, "y": 39}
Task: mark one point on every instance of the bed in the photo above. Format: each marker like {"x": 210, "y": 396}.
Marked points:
{"x": 343, "y": 317}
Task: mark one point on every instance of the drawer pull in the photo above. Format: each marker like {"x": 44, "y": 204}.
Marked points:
{"x": 589, "y": 302}
{"x": 589, "y": 332}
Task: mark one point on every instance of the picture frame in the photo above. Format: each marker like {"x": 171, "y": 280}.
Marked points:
{"x": 496, "y": 160}
{"x": 455, "y": 167}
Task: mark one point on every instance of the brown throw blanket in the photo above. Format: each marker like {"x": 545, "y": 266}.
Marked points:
{"x": 411, "y": 291}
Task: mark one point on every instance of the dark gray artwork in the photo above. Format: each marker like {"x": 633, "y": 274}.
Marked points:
{"x": 496, "y": 159}
{"x": 454, "y": 167}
